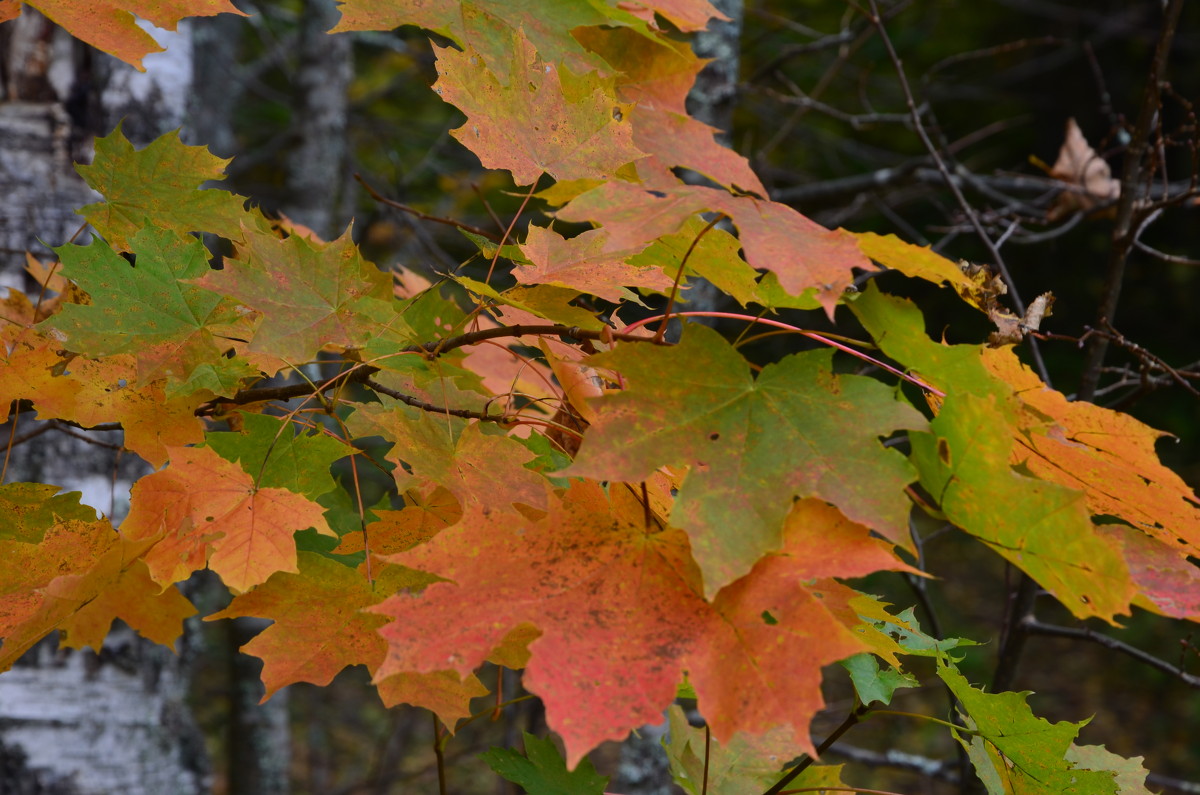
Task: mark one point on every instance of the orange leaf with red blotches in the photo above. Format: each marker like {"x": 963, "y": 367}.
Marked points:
{"x": 622, "y": 615}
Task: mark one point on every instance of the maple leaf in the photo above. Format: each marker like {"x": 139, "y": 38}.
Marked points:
{"x": 309, "y": 294}
{"x": 713, "y": 257}
{"x": 1107, "y": 455}
{"x": 149, "y": 309}
{"x": 753, "y": 445}
{"x": 745, "y": 764}
{"x": 449, "y": 452}
{"x": 687, "y": 15}
{"x": 307, "y": 645}
{"x": 655, "y": 78}
{"x": 776, "y": 238}
{"x": 1168, "y": 581}
{"x": 487, "y": 26}
{"x": 1015, "y": 752}
{"x": 211, "y": 512}
{"x": 77, "y": 577}
{"x": 91, "y": 392}
{"x": 583, "y": 263}
{"x": 160, "y": 181}
{"x": 966, "y": 463}
{"x": 919, "y": 262}
{"x": 277, "y": 455}
{"x": 111, "y": 25}
{"x": 1129, "y": 774}
{"x": 622, "y": 618}
{"x": 541, "y": 771}
{"x": 29, "y": 509}
{"x": 549, "y": 121}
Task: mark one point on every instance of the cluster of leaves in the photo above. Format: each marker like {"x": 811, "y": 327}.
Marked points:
{"x": 574, "y": 496}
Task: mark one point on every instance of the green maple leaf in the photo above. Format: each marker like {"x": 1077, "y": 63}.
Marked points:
{"x": 28, "y": 509}
{"x": 542, "y": 771}
{"x": 1016, "y": 753}
{"x": 966, "y": 463}
{"x": 310, "y": 294}
{"x": 753, "y": 445}
{"x": 161, "y": 181}
{"x": 873, "y": 682}
{"x": 149, "y": 309}
{"x": 271, "y": 451}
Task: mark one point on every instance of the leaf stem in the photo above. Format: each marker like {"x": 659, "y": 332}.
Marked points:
{"x": 439, "y": 754}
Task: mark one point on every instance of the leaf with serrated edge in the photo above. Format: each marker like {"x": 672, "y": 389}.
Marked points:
{"x": 213, "y": 514}
{"x": 621, "y": 617}
{"x": 753, "y": 445}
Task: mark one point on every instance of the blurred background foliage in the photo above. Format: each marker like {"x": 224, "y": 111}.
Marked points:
{"x": 821, "y": 115}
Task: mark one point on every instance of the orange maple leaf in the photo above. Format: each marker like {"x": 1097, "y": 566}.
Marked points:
{"x": 210, "y": 512}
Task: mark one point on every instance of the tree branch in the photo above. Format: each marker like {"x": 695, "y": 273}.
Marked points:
{"x": 1035, "y": 627}
{"x": 1133, "y": 174}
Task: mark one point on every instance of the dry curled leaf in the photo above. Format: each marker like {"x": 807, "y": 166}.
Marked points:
{"x": 1085, "y": 171}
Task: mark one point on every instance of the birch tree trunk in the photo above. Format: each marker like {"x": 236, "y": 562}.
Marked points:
{"x": 112, "y": 721}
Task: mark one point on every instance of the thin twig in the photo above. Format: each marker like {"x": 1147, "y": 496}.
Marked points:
{"x": 437, "y": 219}
{"x": 972, "y": 216}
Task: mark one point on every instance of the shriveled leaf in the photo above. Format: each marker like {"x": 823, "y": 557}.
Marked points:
{"x": 753, "y": 445}
{"x": 1089, "y": 178}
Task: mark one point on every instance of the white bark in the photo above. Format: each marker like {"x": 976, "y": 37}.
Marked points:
{"x": 82, "y": 722}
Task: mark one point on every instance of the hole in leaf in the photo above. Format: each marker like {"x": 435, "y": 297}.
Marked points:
{"x": 768, "y": 618}
{"x": 712, "y": 437}
{"x": 617, "y": 115}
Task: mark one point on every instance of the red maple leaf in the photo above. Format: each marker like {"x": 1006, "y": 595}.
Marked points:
{"x": 623, "y": 619}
